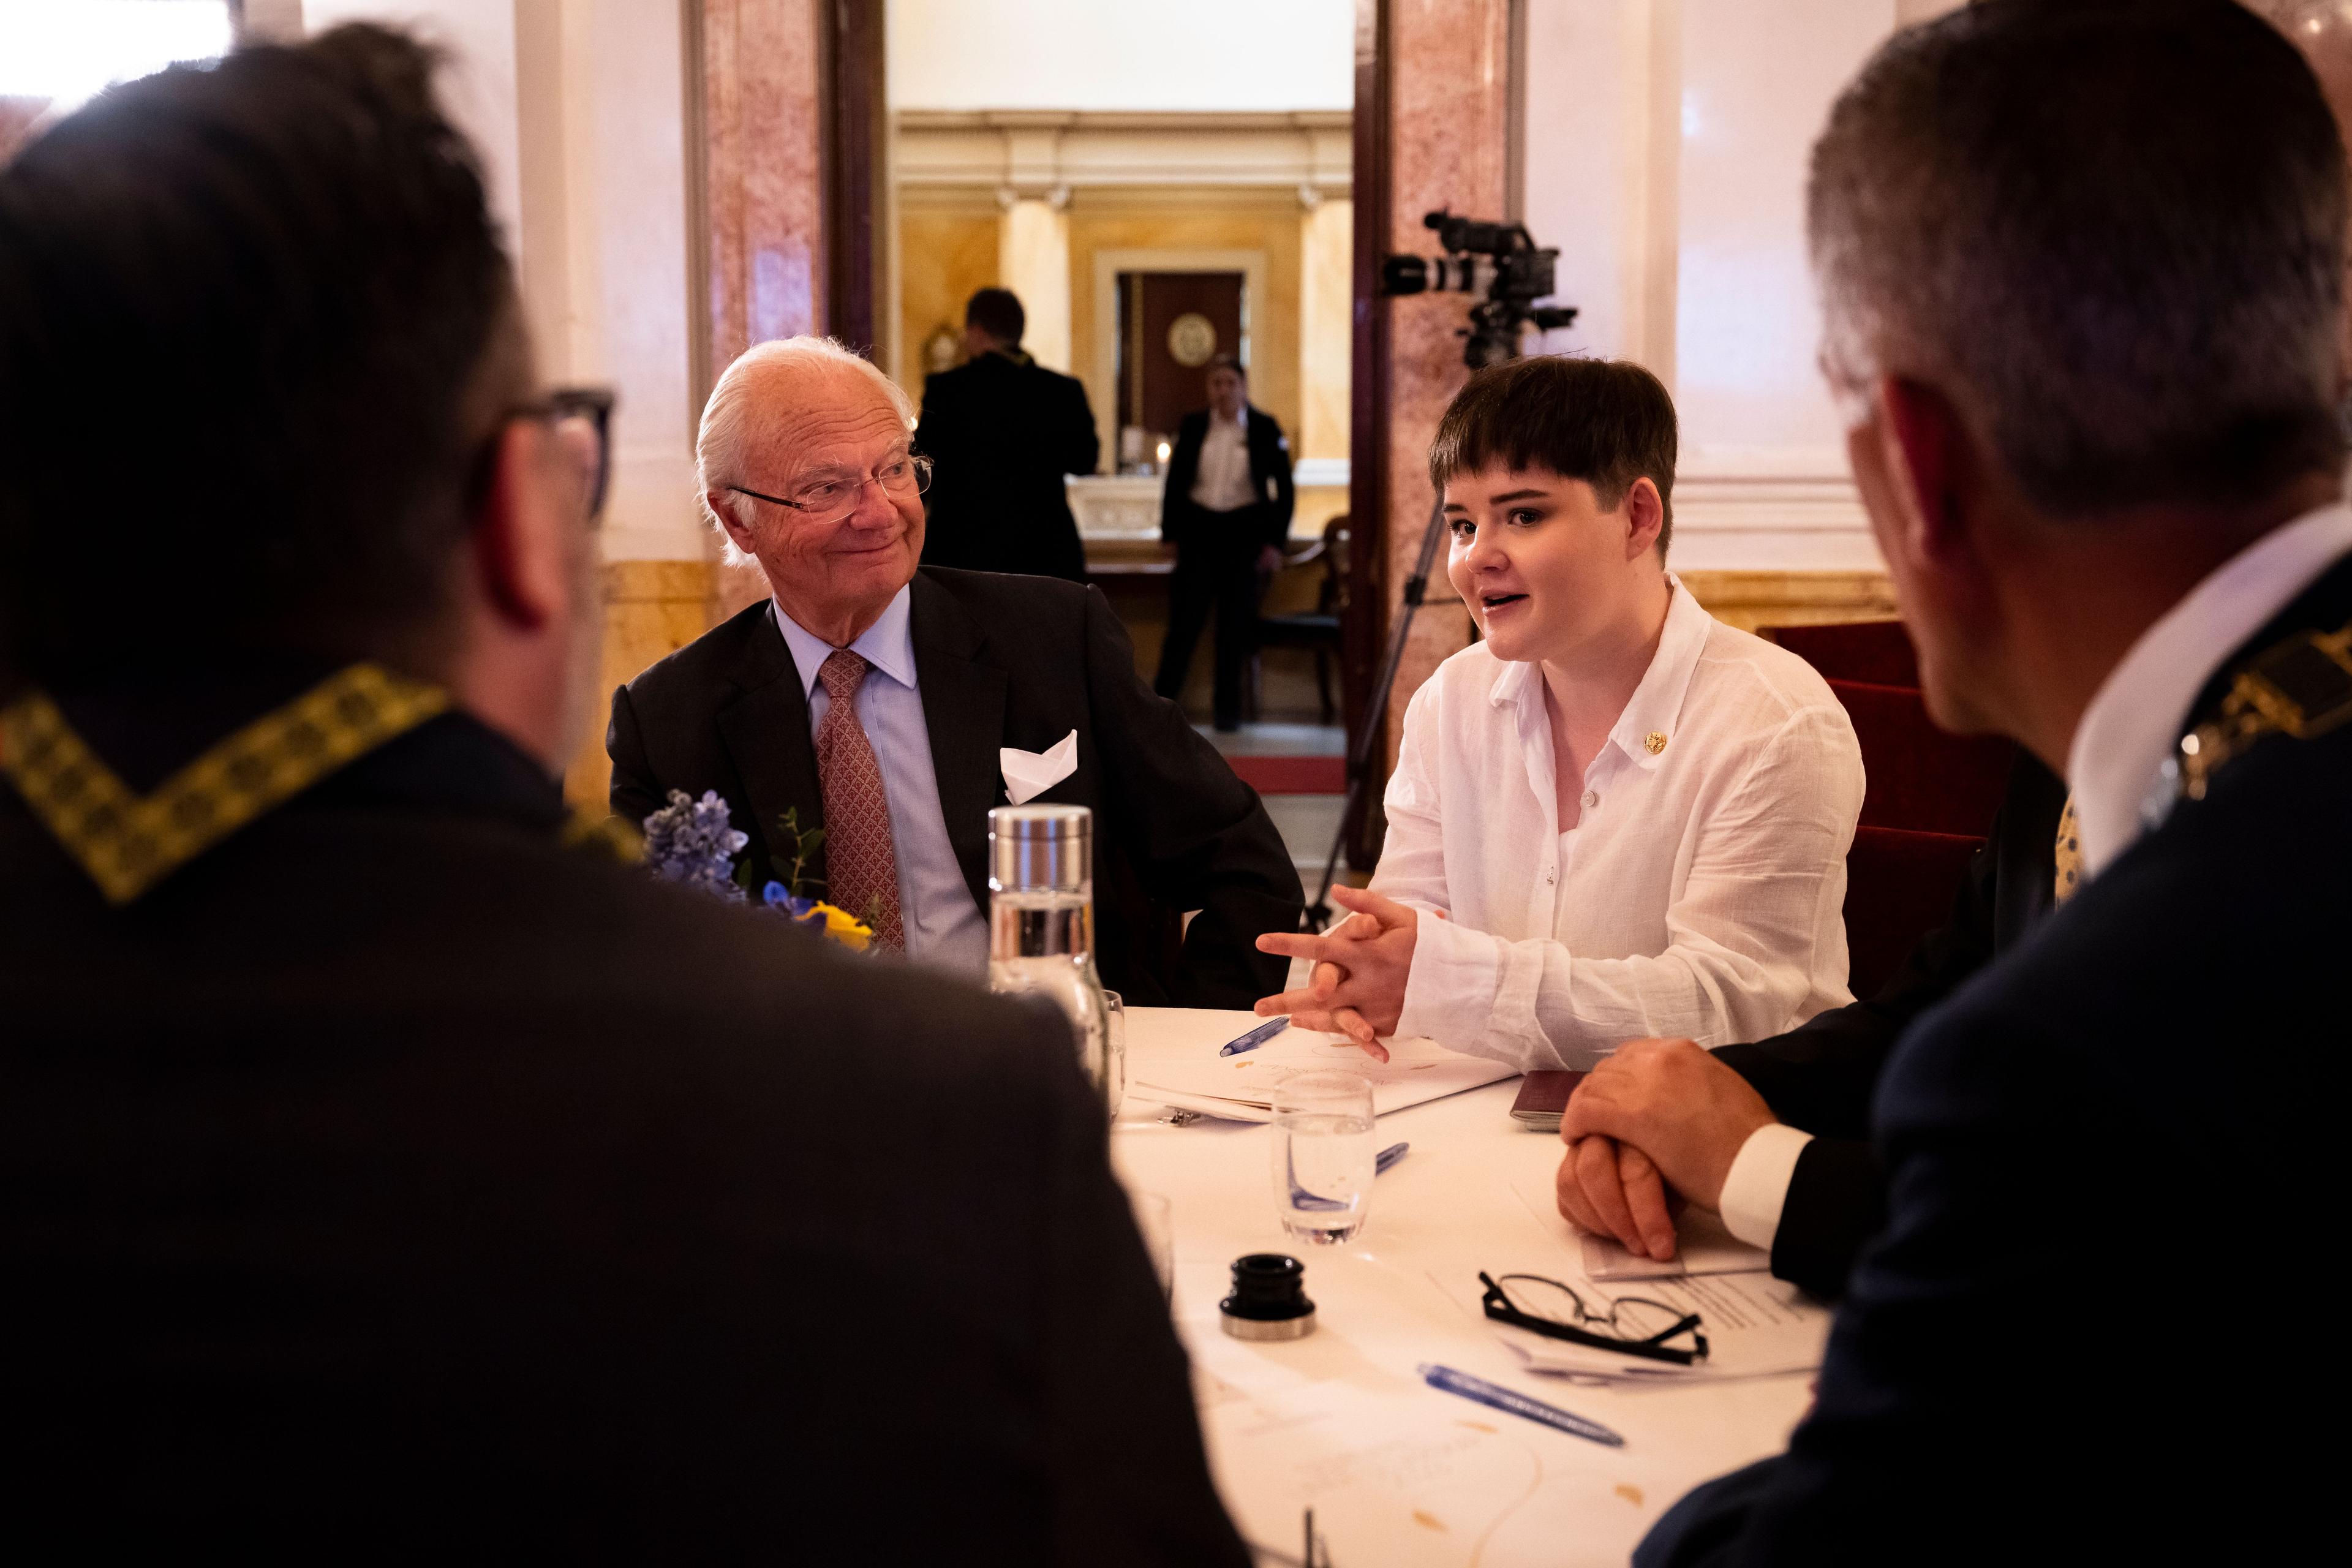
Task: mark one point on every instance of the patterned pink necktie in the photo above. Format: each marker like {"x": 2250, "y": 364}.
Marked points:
{"x": 861, "y": 865}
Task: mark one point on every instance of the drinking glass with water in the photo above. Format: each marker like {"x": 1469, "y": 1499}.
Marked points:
{"x": 1324, "y": 1145}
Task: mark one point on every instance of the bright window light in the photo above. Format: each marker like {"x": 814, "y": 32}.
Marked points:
{"x": 65, "y": 50}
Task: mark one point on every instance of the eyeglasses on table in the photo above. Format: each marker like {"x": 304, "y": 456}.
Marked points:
{"x": 1630, "y": 1325}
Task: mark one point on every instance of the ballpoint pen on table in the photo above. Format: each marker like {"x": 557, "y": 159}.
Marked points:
{"x": 1256, "y": 1037}
{"x": 1389, "y": 1156}
{"x": 1511, "y": 1402}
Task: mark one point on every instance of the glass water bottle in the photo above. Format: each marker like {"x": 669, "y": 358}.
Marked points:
{"x": 1040, "y": 928}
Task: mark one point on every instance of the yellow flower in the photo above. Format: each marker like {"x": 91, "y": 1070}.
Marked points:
{"x": 845, "y": 928}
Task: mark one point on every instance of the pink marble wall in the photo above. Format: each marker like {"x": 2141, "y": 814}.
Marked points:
{"x": 1449, "y": 84}
{"x": 762, "y": 93}
{"x": 762, "y": 97}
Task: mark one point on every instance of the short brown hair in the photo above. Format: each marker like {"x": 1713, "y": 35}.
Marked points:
{"x": 998, "y": 312}
{"x": 1607, "y": 422}
{"x": 290, "y": 255}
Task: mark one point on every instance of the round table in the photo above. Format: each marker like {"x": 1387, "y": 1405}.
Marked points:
{"x": 1398, "y": 1472}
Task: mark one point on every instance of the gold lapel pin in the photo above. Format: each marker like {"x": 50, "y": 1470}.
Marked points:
{"x": 1656, "y": 742}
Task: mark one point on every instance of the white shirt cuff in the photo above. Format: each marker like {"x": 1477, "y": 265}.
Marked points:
{"x": 1449, "y": 992}
{"x": 1757, "y": 1188}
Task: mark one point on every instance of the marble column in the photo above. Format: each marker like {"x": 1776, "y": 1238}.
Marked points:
{"x": 1325, "y": 291}
{"x": 763, "y": 185}
{"x": 1034, "y": 261}
{"x": 1449, "y": 117}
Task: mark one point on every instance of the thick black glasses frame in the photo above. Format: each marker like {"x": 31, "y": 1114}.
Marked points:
{"x": 1497, "y": 1303}
{"x": 594, "y": 405}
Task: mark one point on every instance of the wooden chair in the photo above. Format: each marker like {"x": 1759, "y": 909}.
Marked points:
{"x": 1319, "y": 631}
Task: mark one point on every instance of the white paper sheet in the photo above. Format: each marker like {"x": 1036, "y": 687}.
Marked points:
{"x": 1241, "y": 1087}
{"x": 1422, "y": 1478}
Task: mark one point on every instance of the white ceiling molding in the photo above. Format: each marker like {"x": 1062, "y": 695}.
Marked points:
{"x": 1032, "y": 151}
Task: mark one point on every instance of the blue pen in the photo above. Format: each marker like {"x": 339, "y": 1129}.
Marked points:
{"x": 1495, "y": 1396}
{"x": 1256, "y": 1037}
{"x": 1387, "y": 1157}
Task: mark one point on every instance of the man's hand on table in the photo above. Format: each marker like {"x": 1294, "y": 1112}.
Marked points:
{"x": 1613, "y": 1190}
{"x": 1657, "y": 1115}
{"x": 1357, "y": 986}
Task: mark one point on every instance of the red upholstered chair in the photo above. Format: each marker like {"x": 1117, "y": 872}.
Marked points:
{"x": 1920, "y": 778}
{"x": 1929, "y": 803}
{"x": 1899, "y": 886}
{"x": 1878, "y": 652}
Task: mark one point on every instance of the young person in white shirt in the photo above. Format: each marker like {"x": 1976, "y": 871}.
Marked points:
{"x": 1613, "y": 816}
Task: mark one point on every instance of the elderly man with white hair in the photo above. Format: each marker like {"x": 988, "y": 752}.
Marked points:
{"x": 874, "y": 701}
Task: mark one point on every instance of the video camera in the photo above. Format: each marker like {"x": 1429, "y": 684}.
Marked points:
{"x": 1501, "y": 260}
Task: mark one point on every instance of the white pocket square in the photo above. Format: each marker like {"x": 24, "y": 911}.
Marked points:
{"x": 1028, "y": 774}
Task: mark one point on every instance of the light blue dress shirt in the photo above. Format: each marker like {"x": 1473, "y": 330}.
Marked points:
{"x": 944, "y": 926}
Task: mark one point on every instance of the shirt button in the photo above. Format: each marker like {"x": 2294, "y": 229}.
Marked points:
{"x": 1591, "y": 799}
{"x": 1551, "y": 873}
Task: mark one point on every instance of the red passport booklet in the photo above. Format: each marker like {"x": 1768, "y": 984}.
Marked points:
{"x": 1543, "y": 1095}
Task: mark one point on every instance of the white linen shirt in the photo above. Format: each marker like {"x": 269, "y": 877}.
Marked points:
{"x": 1700, "y": 894}
{"x": 1224, "y": 482}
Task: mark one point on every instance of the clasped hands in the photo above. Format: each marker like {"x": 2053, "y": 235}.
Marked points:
{"x": 1356, "y": 986}
{"x": 1657, "y": 1123}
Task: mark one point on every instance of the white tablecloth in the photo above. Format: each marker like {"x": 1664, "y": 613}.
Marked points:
{"x": 1398, "y": 1472}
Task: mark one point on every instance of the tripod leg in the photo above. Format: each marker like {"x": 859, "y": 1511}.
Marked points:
{"x": 1360, "y": 756}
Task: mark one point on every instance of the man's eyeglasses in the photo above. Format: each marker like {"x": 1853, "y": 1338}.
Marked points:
{"x": 582, "y": 416}
{"x": 830, "y": 501}
{"x": 1631, "y": 1325}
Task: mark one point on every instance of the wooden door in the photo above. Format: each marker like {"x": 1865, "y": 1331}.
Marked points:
{"x": 1170, "y": 325}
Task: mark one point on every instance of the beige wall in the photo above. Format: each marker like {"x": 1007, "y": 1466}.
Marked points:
{"x": 1327, "y": 283}
{"x": 947, "y": 249}
{"x": 1179, "y": 219}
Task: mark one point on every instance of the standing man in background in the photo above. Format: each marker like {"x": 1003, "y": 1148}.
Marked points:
{"x": 1226, "y": 511}
{"x": 1002, "y": 431}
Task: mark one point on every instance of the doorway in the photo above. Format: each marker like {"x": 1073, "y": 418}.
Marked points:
{"x": 1171, "y": 325}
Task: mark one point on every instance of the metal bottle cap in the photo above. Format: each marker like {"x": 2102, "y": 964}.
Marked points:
{"x": 1041, "y": 848}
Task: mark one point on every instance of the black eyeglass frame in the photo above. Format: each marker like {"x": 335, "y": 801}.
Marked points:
{"x": 917, "y": 464}
{"x": 1497, "y": 1303}
{"x": 594, "y": 405}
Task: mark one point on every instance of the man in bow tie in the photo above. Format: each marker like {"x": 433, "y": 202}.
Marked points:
{"x": 879, "y": 702}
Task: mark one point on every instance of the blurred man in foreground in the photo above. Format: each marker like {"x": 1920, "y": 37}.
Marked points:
{"x": 1787, "y": 1162}
{"x": 2081, "y": 269}
{"x": 380, "y": 1176}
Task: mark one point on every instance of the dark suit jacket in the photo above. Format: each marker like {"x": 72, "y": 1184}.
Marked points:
{"x": 1003, "y": 432}
{"x": 1003, "y": 661}
{"x": 2072, "y": 1341}
{"x": 1268, "y": 520}
{"x": 392, "y": 1181}
{"x": 1821, "y": 1075}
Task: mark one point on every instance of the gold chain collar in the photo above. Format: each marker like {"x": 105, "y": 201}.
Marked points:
{"x": 2301, "y": 688}
{"x": 129, "y": 843}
